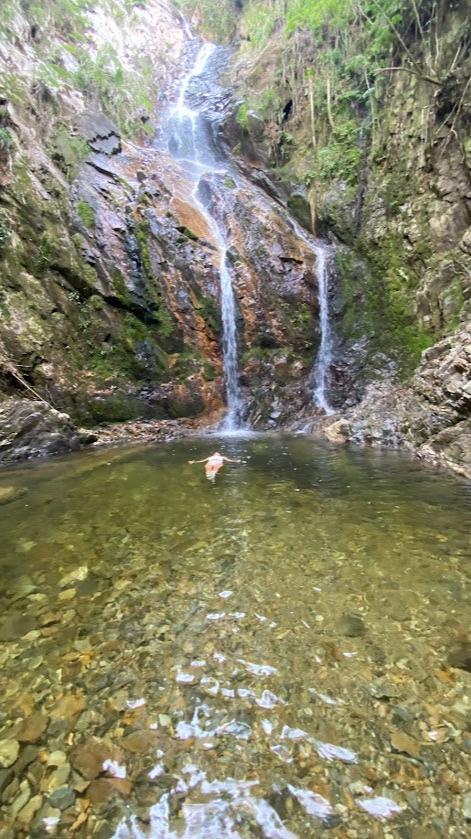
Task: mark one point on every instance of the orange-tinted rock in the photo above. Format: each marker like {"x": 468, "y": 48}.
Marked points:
{"x": 31, "y": 728}
{"x": 101, "y": 790}
{"x": 88, "y": 757}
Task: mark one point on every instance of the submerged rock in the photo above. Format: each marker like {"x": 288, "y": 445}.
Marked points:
{"x": 33, "y": 429}
{"x": 460, "y": 656}
{"x": 16, "y": 625}
{"x": 9, "y": 751}
{"x": 31, "y": 728}
{"x": 10, "y": 493}
{"x": 351, "y": 626}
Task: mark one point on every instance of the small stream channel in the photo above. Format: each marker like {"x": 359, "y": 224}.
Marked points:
{"x": 268, "y": 656}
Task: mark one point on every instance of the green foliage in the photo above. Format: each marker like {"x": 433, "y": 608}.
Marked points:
{"x": 121, "y": 93}
{"x": 242, "y": 116}
{"x": 217, "y": 17}
{"x": 66, "y": 16}
{"x": 315, "y": 13}
{"x": 258, "y": 22}
{"x": 5, "y": 233}
{"x": 6, "y": 140}
{"x": 86, "y": 214}
{"x": 340, "y": 156}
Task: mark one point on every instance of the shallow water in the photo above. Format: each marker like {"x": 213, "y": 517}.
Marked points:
{"x": 267, "y": 656}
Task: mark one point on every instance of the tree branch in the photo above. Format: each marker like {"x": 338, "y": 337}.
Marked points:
{"x": 411, "y": 72}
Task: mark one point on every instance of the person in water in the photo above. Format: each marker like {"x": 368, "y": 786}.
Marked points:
{"x": 213, "y": 464}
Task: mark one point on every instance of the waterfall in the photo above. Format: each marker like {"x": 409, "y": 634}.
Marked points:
{"x": 324, "y": 355}
{"x": 320, "y": 371}
{"x": 190, "y": 143}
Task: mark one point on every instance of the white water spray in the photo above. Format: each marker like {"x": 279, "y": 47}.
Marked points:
{"x": 324, "y": 355}
{"x": 190, "y": 143}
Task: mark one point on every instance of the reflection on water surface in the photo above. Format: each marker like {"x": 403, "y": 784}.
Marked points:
{"x": 268, "y": 656}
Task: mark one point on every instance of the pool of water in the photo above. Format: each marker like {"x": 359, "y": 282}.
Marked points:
{"x": 266, "y": 656}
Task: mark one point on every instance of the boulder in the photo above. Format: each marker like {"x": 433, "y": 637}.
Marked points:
{"x": 431, "y": 415}
{"x": 31, "y": 429}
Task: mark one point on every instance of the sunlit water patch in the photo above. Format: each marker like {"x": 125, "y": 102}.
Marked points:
{"x": 278, "y": 653}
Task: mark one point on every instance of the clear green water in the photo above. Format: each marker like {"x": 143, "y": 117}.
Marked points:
{"x": 311, "y": 598}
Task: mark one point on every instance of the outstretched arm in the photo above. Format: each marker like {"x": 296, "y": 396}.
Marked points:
{"x": 199, "y": 461}
{"x": 238, "y": 460}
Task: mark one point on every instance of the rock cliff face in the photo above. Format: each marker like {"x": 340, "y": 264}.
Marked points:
{"x": 110, "y": 288}
{"x": 389, "y": 182}
{"x": 431, "y": 415}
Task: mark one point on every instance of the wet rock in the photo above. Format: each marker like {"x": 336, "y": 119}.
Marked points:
{"x": 460, "y": 656}
{"x": 27, "y": 755}
{"x": 51, "y": 814}
{"x": 21, "y": 800}
{"x": 32, "y": 728}
{"x": 56, "y": 758}
{"x": 101, "y": 134}
{"x": 6, "y": 776}
{"x": 101, "y": 790}
{"x": 300, "y": 208}
{"x": 16, "y": 625}
{"x": 401, "y": 742}
{"x": 384, "y": 690}
{"x": 69, "y": 706}
{"x": 138, "y": 742}
{"x": 11, "y": 493}
{"x": 62, "y": 798}
{"x": 26, "y": 815}
{"x": 57, "y": 779}
{"x": 430, "y": 416}
{"x": 32, "y": 429}
{"x": 351, "y": 626}
{"x": 402, "y": 715}
{"x": 9, "y": 751}
{"x": 88, "y": 758}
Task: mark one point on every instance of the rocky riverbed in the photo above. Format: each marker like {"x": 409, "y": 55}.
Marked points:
{"x": 243, "y": 659}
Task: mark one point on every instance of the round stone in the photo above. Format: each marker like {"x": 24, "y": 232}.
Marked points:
{"x": 9, "y": 751}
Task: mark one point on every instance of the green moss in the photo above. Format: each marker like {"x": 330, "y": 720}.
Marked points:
{"x": 188, "y": 233}
{"x": 378, "y": 302}
{"x": 161, "y": 312}
{"x": 6, "y": 140}
{"x": 86, "y": 213}
{"x": 68, "y": 150}
{"x": 120, "y": 289}
{"x": 209, "y": 371}
{"x": 132, "y": 355}
{"x": 5, "y": 233}
{"x": 210, "y": 312}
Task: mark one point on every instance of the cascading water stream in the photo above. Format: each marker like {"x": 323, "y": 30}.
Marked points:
{"x": 190, "y": 143}
{"x": 324, "y": 355}
{"x": 320, "y": 371}
{"x": 189, "y": 140}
